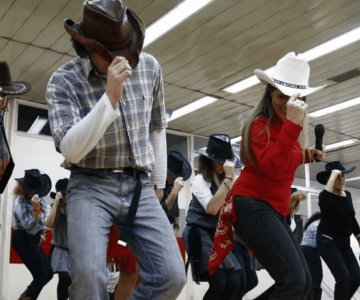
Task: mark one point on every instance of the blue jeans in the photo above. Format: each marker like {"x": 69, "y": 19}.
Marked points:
{"x": 268, "y": 235}
{"x": 98, "y": 198}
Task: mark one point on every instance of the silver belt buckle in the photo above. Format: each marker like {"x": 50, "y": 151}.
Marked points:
{"x": 119, "y": 170}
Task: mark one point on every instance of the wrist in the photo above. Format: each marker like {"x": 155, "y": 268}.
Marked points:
{"x": 156, "y": 188}
{"x": 227, "y": 186}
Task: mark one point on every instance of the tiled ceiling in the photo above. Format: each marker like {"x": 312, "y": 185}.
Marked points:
{"x": 221, "y": 44}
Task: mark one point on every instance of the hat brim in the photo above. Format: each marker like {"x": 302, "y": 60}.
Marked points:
{"x": 16, "y": 88}
{"x": 289, "y": 91}
{"x": 323, "y": 176}
{"x": 91, "y": 45}
{"x": 42, "y": 191}
{"x": 235, "y": 159}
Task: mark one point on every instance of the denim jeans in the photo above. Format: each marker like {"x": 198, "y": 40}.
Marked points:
{"x": 268, "y": 235}
{"x": 27, "y": 247}
{"x": 98, "y": 198}
{"x": 340, "y": 259}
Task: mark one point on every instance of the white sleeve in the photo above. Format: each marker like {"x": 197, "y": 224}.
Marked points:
{"x": 83, "y": 136}
{"x": 201, "y": 190}
{"x": 158, "y": 141}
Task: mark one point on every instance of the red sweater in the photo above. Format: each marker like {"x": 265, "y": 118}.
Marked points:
{"x": 276, "y": 159}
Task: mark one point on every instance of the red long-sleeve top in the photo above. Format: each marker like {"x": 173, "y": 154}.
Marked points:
{"x": 276, "y": 155}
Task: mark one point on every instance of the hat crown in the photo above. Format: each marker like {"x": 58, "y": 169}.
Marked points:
{"x": 219, "y": 147}
{"x": 292, "y": 70}
{"x": 106, "y": 16}
{"x": 5, "y": 76}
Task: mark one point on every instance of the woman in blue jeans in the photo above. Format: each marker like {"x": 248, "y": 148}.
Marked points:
{"x": 29, "y": 224}
{"x": 337, "y": 224}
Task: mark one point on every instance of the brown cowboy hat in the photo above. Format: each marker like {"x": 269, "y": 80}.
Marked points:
{"x": 9, "y": 87}
{"x": 324, "y": 176}
{"x": 108, "y": 28}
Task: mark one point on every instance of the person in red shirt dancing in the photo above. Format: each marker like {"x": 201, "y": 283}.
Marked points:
{"x": 259, "y": 200}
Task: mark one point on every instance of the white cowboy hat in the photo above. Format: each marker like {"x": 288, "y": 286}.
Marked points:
{"x": 290, "y": 75}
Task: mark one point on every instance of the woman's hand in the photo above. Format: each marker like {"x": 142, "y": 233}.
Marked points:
{"x": 295, "y": 110}
{"x": 229, "y": 169}
{"x": 316, "y": 154}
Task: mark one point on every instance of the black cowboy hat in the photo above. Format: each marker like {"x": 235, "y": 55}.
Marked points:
{"x": 60, "y": 186}
{"x": 178, "y": 166}
{"x": 219, "y": 149}
{"x": 9, "y": 87}
{"x": 35, "y": 183}
{"x": 323, "y": 176}
{"x": 108, "y": 28}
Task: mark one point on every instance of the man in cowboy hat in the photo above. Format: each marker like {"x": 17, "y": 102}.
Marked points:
{"x": 179, "y": 170}
{"x": 8, "y": 88}
{"x": 107, "y": 117}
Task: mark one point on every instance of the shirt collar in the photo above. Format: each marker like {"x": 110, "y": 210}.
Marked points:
{"x": 90, "y": 71}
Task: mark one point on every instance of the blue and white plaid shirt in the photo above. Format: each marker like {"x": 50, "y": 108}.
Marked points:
{"x": 73, "y": 91}
{"x": 23, "y": 219}
{"x": 309, "y": 237}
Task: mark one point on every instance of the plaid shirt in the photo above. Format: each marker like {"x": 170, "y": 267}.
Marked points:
{"x": 309, "y": 237}
{"x": 75, "y": 88}
{"x": 23, "y": 219}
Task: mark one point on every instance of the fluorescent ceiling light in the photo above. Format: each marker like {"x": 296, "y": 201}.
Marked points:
{"x": 242, "y": 85}
{"x": 341, "y": 41}
{"x": 236, "y": 139}
{"x": 192, "y": 107}
{"x": 174, "y": 17}
{"x": 336, "y": 107}
{"x": 38, "y": 125}
{"x": 353, "y": 179}
{"x": 341, "y": 144}
{"x": 334, "y": 44}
